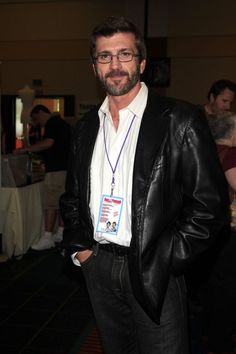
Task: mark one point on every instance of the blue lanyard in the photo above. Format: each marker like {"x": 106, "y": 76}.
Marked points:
{"x": 118, "y": 158}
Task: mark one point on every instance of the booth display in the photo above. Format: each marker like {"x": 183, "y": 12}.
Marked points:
{"x": 21, "y": 212}
{"x": 21, "y": 169}
{"x": 21, "y": 176}
{"x": 22, "y": 219}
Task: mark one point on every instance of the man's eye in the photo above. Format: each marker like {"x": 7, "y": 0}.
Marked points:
{"x": 125, "y": 54}
{"x": 104, "y": 56}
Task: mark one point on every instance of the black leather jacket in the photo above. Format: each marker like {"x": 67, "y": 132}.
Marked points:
{"x": 179, "y": 196}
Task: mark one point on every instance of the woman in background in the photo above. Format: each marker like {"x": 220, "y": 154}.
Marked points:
{"x": 220, "y": 298}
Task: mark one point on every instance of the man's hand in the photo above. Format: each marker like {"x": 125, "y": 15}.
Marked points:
{"x": 82, "y": 256}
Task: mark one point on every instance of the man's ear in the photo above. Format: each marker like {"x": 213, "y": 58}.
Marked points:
{"x": 95, "y": 70}
{"x": 211, "y": 98}
{"x": 142, "y": 66}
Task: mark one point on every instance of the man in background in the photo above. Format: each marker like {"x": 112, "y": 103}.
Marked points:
{"x": 220, "y": 97}
{"x": 54, "y": 147}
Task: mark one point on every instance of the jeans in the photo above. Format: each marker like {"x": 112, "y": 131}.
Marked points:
{"x": 123, "y": 325}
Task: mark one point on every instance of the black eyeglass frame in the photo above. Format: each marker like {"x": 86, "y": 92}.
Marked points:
{"x": 118, "y": 55}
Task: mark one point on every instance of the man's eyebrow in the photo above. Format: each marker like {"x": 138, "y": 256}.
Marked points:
{"x": 118, "y": 51}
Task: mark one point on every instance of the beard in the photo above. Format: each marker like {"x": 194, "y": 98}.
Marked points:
{"x": 116, "y": 88}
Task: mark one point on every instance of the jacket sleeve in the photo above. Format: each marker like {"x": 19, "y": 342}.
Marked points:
{"x": 77, "y": 225}
{"x": 205, "y": 202}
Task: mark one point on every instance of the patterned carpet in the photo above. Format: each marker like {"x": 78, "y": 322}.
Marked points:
{"x": 92, "y": 344}
{"x": 44, "y": 306}
{"x": 45, "y": 309}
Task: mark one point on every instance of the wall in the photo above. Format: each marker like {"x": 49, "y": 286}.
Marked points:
{"x": 49, "y": 40}
{"x": 201, "y": 44}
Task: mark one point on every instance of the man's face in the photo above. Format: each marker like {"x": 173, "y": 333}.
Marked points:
{"x": 118, "y": 78}
{"x": 222, "y": 102}
{"x": 37, "y": 119}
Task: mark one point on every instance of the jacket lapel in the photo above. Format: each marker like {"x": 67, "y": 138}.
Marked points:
{"x": 91, "y": 126}
{"x": 151, "y": 135}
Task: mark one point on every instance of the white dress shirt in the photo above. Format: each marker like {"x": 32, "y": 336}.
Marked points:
{"x": 101, "y": 172}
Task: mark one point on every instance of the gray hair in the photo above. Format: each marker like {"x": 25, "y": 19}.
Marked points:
{"x": 222, "y": 125}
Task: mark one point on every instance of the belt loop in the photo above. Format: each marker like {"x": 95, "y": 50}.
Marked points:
{"x": 95, "y": 248}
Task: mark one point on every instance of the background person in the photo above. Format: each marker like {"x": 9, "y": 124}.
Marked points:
{"x": 220, "y": 97}
{"x": 220, "y": 297}
{"x": 128, "y": 161}
{"x": 54, "y": 147}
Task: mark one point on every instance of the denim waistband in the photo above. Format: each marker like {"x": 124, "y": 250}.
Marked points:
{"x": 114, "y": 248}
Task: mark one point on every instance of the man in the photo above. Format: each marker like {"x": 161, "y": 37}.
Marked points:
{"x": 54, "y": 148}
{"x": 220, "y": 97}
{"x": 148, "y": 164}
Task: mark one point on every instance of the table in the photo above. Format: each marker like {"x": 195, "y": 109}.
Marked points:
{"x": 22, "y": 221}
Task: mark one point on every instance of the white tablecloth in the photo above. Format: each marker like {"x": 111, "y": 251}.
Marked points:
{"x": 22, "y": 221}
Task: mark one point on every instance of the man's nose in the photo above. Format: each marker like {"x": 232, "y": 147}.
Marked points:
{"x": 115, "y": 61}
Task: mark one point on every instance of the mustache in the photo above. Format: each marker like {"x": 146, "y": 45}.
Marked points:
{"x": 114, "y": 73}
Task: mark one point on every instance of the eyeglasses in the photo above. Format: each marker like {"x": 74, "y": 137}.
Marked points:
{"x": 123, "y": 57}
